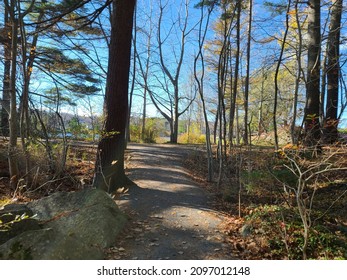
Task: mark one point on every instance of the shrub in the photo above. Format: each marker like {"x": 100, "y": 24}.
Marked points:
{"x": 192, "y": 138}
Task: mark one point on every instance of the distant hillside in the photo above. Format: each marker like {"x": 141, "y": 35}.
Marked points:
{"x": 83, "y": 119}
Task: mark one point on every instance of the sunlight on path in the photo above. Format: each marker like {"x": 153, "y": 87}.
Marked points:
{"x": 170, "y": 215}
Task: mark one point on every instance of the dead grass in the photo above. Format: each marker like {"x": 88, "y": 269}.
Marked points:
{"x": 77, "y": 174}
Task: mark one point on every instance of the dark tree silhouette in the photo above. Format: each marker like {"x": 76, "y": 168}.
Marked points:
{"x": 110, "y": 173}
{"x": 333, "y": 73}
{"x": 311, "y": 118}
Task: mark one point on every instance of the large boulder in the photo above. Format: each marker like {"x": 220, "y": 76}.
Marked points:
{"x": 76, "y": 225}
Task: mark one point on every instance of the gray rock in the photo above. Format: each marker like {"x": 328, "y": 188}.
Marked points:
{"x": 76, "y": 225}
{"x": 46, "y": 244}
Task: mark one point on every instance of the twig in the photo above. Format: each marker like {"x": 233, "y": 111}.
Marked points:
{"x": 46, "y": 183}
{"x": 332, "y": 204}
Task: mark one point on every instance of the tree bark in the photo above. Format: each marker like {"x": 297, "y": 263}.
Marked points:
{"x": 311, "y": 118}
{"x": 246, "y": 134}
{"x": 13, "y": 153}
{"x": 233, "y": 97}
{"x": 200, "y": 84}
{"x": 276, "y": 76}
{"x": 294, "y": 135}
{"x": 333, "y": 74}
{"x": 128, "y": 136}
{"x": 110, "y": 173}
{"x": 6, "y": 95}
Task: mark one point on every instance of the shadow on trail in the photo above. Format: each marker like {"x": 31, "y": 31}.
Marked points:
{"x": 161, "y": 181}
{"x": 151, "y": 201}
{"x": 171, "y": 225}
{"x": 171, "y": 217}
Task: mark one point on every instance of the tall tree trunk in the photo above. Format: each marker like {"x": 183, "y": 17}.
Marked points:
{"x": 13, "y": 153}
{"x": 176, "y": 114}
{"x": 174, "y": 76}
{"x": 236, "y": 74}
{"x": 246, "y": 96}
{"x": 215, "y": 125}
{"x": 200, "y": 83}
{"x": 323, "y": 84}
{"x": 333, "y": 73}
{"x": 222, "y": 79}
{"x": 144, "y": 71}
{"x": 276, "y": 75}
{"x": 27, "y": 67}
{"x": 128, "y": 137}
{"x": 143, "y": 127}
{"x": 110, "y": 173}
{"x": 48, "y": 144}
{"x": 261, "y": 127}
{"x": 237, "y": 125}
{"x": 293, "y": 133}
{"x": 6, "y": 94}
{"x": 311, "y": 118}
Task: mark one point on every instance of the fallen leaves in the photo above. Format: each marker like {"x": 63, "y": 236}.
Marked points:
{"x": 250, "y": 246}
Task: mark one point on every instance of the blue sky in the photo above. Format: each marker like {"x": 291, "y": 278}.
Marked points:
{"x": 264, "y": 24}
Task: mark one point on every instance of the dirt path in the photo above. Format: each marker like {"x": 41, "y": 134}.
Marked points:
{"x": 170, "y": 214}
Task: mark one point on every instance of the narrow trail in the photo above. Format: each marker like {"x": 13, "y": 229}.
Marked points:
{"x": 170, "y": 217}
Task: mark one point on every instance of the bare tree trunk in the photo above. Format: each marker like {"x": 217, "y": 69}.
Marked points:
{"x": 323, "y": 85}
{"x": 176, "y": 115}
{"x": 237, "y": 126}
{"x": 128, "y": 138}
{"x": 246, "y": 95}
{"x": 109, "y": 167}
{"x": 62, "y": 161}
{"x": 276, "y": 75}
{"x": 13, "y": 151}
{"x": 174, "y": 76}
{"x": 6, "y": 95}
{"x": 295, "y": 137}
{"x": 261, "y": 127}
{"x": 236, "y": 74}
{"x": 144, "y": 69}
{"x": 27, "y": 67}
{"x": 48, "y": 145}
{"x": 143, "y": 127}
{"x": 311, "y": 118}
{"x": 220, "y": 147}
{"x": 222, "y": 80}
{"x": 215, "y": 126}
{"x": 333, "y": 73}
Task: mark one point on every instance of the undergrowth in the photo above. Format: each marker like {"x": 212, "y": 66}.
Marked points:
{"x": 259, "y": 192}
{"x": 75, "y": 174}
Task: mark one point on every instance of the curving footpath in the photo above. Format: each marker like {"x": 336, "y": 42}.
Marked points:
{"x": 170, "y": 216}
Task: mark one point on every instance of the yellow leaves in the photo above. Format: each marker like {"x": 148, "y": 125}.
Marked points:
{"x": 32, "y": 50}
{"x": 289, "y": 148}
{"x": 292, "y": 12}
{"x": 30, "y": 70}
